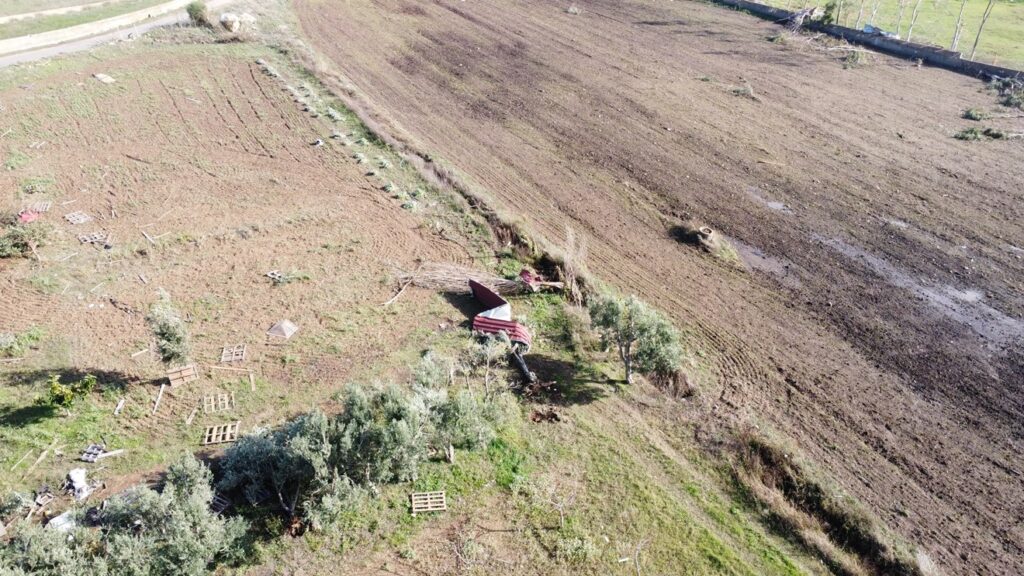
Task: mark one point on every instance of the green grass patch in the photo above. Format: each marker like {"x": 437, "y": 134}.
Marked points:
{"x": 35, "y": 185}
{"x": 16, "y": 159}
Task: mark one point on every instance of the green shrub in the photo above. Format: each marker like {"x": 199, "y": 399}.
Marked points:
{"x": 509, "y": 463}
{"x": 973, "y": 133}
{"x": 65, "y": 395}
{"x": 976, "y": 114}
{"x": 198, "y": 14}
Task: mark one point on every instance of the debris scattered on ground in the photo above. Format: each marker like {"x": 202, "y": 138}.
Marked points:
{"x": 535, "y": 281}
{"x": 159, "y": 397}
{"x": 548, "y": 415}
{"x": 78, "y": 485}
{"x": 63, "y": 523}
{"x": 231, "y": 22}
{"x": 44, "y": 496}
{"x": 27, "y": 216}
{"x": 103, "y": 78}
{"x": 284, "y": 329}
{"x": 40, "y": 207}
{"x": 318, "y": 142}
{"x": 497, "y": 317}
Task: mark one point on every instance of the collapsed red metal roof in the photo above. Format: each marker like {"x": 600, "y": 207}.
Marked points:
{"x": 497, "y": 318}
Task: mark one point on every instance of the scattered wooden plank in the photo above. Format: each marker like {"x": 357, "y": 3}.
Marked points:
{"x": 252, "y": 382}
{"x": 120, "y": 406}
{"x": 140, "y": 352}
{"x": 229, "y": 368}
{"x": 191, "y": 416}
{"x": 117, "y": 452}
{"x": 143, "y": 278}
{"x": 158, "y": 397}
{"x": 22, "y": 459}
{"x": 148, "y": 237}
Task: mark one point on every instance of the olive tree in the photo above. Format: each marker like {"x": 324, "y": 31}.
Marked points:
{"x": 382, "y": 436}
{"x": 292, "y": 464}
{"x": 169, "y": 329}
{"x": 645, "y": 340}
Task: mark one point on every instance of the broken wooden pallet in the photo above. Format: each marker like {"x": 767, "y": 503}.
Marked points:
{"x": 428, "y": 502}
{"x": 221, "y": 433}
{"x": 234, "y": 353}
{"x": 183, "y": 375}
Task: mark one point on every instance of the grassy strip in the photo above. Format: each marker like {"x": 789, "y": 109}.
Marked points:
{"x": 58, "y": 21}
{"x": 1000, "y": 43}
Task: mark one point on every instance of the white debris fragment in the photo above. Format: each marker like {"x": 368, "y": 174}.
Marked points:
{"x": 103, "y": 78}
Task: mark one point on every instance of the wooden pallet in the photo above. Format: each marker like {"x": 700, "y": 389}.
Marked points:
{"x": 428, "y": 502}
{"x": 221, "y": 433}
{"x": 219, "y": 504}
{"x": 218, "y": 403}
{"x": 183, "y": 375}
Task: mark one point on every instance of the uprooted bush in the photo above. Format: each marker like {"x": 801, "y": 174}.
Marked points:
{"x": 1010, "y": 92}
{"x": 17, "y": 239}
{"x": 316, "y": 469}
{"x": 169, "y": 329}
{"x": 141, "y": 531}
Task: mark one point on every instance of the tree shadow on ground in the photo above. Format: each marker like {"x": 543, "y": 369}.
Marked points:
{"x": 11, "y": 417}
{"x": 561, "y": 382}
{"x": 105, "y": 379}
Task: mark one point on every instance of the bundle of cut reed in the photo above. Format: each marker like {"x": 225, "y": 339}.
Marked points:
{"x": 455, "y": 278}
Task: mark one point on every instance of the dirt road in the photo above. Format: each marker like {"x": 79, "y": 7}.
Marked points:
{"x": 881, "y": 326}
{"x": 85, "y": 36}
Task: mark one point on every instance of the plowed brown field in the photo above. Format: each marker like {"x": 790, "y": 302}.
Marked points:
{"x": 881, "y": 324}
